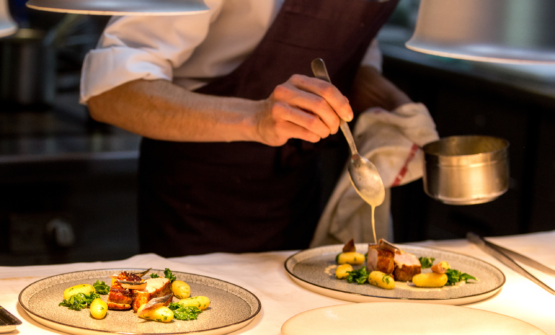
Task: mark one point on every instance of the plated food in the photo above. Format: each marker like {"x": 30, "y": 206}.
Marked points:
{"x": 315, "y": 269}
{"x": 150, "y": 298}
{"x": 386, "y": 263}
{"x": 230, "y": 307}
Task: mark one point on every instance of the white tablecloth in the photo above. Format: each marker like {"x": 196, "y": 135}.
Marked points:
{"x": 264, "y": 275}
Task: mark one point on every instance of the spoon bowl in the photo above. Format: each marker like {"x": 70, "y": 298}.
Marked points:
{"x": 364, "y": 176}
{"x": 366, "y": 180}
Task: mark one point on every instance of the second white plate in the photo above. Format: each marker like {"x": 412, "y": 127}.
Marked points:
{"x": 403, "y": 318}
{"x": 314, "y": 269}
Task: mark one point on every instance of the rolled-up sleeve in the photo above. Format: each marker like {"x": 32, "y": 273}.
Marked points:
{"x": 143, "y": 47}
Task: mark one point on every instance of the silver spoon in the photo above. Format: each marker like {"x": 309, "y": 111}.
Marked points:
{"x": 364, "y": 176}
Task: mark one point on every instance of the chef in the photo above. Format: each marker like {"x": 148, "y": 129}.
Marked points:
{"x": 233, "y": 122}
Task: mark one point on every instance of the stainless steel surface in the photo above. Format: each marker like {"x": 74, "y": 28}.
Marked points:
{"x": 364, "y": 176}
{"x": 466, "y": 170}
{"x": 500, "y": 255}
{"x": 8, "y": 322}
{"x": 7, "y": 25}
{"x": 121, "y": 7}
{"x": 27, "y": 68}
{"x": 487, "y": 30}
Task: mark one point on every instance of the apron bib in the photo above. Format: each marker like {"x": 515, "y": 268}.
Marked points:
{"x": 202, "y": 197}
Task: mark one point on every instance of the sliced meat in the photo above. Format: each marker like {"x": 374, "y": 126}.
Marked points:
{"x": 380, "y": 259}
{"x": 406, "y": 266}
{"x": 156, "y": 287}
{"x": 350, "y": 246}
{"x": 118, "y": 307}
{"x": 119, "y": 298}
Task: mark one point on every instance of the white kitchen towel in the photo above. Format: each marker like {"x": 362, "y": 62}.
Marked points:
{"x": 392, "y": 141}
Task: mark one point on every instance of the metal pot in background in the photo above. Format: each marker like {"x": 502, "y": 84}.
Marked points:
{"x": 466, "y": 170}
{"x": 27, "y": 68}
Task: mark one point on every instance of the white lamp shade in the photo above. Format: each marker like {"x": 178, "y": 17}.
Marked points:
{"x": 7, "y": 25}
{"x": 504, "y": 31}
{"x": 121, "y": 7}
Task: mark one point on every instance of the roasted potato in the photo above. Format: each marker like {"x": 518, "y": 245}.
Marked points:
{"x": 98, "y": 308}
{"x": 200, "y": 302}
{"x": 353, "y": 258}
{"x": 430, "y": 279}
{"x": 160, "y": 314}
{"x": 441, "y": 267}
{"x": 342, "y": 271}
{"x": 181, "y": 289}
{"x": 82, "y": 288}
{"x": 380, "y": 279}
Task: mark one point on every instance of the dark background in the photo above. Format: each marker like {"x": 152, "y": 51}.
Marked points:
{"x": 68, "y": 183}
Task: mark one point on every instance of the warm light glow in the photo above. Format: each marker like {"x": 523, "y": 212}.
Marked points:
{"x": 121, "y": 7}
{"x": 497, "y": 31}
{"x": 7, "y": 25}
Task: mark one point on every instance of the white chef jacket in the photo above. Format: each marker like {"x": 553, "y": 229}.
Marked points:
{"x": 188, "y": 50}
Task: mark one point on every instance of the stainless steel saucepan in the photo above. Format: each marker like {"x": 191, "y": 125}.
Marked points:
{"x": 466, "y": 170}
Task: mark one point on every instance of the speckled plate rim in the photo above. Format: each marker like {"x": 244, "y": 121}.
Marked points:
{"x": 359, "y": 297}
{"x": 82, "y": 330}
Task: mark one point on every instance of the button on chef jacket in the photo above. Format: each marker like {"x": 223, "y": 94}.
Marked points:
{"x": 187, "y": 50}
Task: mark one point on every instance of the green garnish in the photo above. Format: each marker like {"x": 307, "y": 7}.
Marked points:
{"x": 455, "y": 276}
{"x": 426, "y": 262}
{"x": 184, "y": 313}
{"x": 79, "y": 301}
{"x": 101, "y": 287}
{"x": 169, "y": 275}
{"x": 386, "y": 279}
{"x": 360, "y": 276}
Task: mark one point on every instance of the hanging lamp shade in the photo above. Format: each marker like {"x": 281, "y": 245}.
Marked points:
{"x": 7, "y": 25}
{"x": 121, "y": 7}
{"x": 504, "y": 31}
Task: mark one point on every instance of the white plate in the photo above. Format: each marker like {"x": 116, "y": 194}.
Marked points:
{"x": 314, "y": 269}
{"x": 232, "y": 307}
{"x": 403, "y": 318}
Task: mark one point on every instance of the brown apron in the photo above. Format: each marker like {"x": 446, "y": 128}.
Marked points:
{"x": 197, "y": 198}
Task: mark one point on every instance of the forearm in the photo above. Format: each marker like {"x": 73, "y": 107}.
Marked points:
{"x": 371, "y": 89}
{"x": 161, "y": 110}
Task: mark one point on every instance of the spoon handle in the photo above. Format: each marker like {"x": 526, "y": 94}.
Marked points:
{"x": 320, "y": 72}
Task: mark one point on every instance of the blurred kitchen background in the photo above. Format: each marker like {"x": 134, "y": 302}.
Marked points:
{"x": 68, "y": 183}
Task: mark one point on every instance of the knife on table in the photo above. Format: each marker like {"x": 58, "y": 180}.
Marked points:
{"x": 8, "y": 321}
{"x": 504, "y": 256}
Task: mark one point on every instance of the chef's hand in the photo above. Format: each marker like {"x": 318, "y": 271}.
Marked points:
{"x": 303, "y": 107}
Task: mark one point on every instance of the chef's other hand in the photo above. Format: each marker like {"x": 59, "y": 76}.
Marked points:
{"x": 303, "y": 107}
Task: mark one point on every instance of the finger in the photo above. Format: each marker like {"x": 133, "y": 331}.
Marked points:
{"x": 338, "y": 102}
{"x": 302, "y": 118}
{"x": 318, "y": 106}
{"x": 292, "y": 130}
{"x": 310, "y": 102}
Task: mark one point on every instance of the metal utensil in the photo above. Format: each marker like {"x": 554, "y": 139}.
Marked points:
{"x": 8, "y": 321}
{"x": 500, "y": 254}
{"x": 364, "y": 175}
{"x": 466, "y": 170}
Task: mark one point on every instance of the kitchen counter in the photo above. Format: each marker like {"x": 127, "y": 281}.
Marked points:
{"x": 263, "y": 274}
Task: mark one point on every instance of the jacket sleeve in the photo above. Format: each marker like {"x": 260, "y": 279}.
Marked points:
{"x": 143, "y": 47}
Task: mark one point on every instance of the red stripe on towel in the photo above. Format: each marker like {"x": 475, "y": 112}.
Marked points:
{"x": 405, "y": 167}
